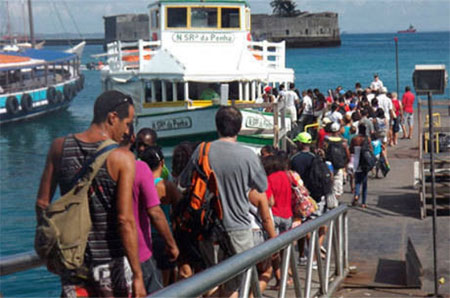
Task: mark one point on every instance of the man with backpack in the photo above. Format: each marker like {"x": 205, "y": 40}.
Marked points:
{"x": 239, "y": 175}
{"x": 336, "y": 152}
{"x": 112, "y": 245}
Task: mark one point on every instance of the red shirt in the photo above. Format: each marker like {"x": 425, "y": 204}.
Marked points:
{"x": 280, "y": 186}
{"x": 322, "y": 134}
{"x": 408, "y": 102}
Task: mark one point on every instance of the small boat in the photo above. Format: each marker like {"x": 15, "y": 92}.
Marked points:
{"x": 411, "y": 29}
{"x": 36, "y": 82}
{"x": 199, "y": 54}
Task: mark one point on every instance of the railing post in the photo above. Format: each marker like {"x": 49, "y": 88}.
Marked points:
{"x": 311, "y": 247}
{"x": 255, "y": 283}
{"x": 322, "y": 280}
{"x": 328, "y": 257}
{"x": 275, "y": 126}
{"x": 284, "y": 271}
{"x": 345, "y": 240}
{"x": 141, "y": 54}
{"x": 246, "y": 283}
{"x": 295, "y": 276}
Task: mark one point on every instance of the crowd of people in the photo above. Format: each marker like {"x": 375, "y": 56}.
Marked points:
{"x": 136, "y": 245}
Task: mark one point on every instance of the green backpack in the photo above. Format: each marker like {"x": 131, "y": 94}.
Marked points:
{"x": 63, "y": 227}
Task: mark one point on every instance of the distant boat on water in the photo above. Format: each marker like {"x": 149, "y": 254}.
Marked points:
{"x": 411, "y": 29}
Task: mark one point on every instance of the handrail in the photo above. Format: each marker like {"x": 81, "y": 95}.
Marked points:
{"x": 246, "y": 261}
{"x": 203, "y": 281}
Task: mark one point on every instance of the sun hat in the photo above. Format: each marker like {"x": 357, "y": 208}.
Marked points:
{"x": 303, "y": 137}
{"x": 335, "y": 127}
{"x": 383, "y": 90}
{"x": 267, "y": 88}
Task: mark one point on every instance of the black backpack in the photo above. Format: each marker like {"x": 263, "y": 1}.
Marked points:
{"x": 336, "y": 154}
{"x": 367, "y": 159}
{"x": 319, "y": 178}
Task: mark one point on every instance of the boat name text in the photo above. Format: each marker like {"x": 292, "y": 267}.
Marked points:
{"x": 172, "y": 124}
{"x": 258, "y": 122}
{"x": 203, "y": 37}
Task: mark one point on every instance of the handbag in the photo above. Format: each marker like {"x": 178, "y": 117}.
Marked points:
{"x": 303, "y": 206}
{"x": 332, "y": 201}
{"x": 63, "y": 227}
{"x": 383, "y": 166}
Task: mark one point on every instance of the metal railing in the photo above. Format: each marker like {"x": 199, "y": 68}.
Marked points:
{"x": 337, "y": 243}
{"x": 272, "y": 53}
{"x": 337, "y": 247}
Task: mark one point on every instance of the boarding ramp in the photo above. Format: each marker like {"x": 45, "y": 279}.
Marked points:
{"x": 331, "y": 271}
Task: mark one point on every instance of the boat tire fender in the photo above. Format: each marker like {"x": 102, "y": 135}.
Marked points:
{"x": 59, "y": 97}
{"x": 26, "y": 102}
{"x": 12, "y": 105}
{"x": 51, "y": 95}
{"x": 81, "y": 79}
{"x": 79, "y": 84}
{"x": 67, "y": 91}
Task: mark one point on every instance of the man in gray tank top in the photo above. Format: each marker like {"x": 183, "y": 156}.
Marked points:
{"x": 112, "y": 246}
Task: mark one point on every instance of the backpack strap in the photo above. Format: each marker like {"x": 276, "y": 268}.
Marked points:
{"x": 94, "y": 162}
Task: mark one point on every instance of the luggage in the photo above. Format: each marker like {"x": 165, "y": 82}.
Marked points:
{"x": 63, "y": 227}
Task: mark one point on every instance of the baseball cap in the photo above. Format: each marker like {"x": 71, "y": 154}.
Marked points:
{"x": 335, "y": 127}
{"x": 267, "y": 88}
{"x": 383, "y": 90}
{"x": 303, "y": 137}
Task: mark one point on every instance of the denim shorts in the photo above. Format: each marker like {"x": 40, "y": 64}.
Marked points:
{"x": 282, "y": 224}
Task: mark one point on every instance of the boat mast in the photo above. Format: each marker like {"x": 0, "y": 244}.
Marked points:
{"x": 30, "y": 17}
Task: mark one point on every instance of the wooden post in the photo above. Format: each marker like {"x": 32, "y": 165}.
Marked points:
{"x": 275, "y": 125}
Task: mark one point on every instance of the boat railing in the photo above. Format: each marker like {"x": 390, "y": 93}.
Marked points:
{"x": 127, "y": 56}
{"x": 271, "y": 54}
{"x": 331, "y": 270}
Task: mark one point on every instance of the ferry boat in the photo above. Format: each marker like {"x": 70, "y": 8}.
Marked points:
{"x": 411, "y": 29}
{"x": 199, "y": 54}
{"x": 35, "y": 82}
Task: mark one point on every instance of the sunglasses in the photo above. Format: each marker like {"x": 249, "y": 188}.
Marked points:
{"x": 126, "y": 99}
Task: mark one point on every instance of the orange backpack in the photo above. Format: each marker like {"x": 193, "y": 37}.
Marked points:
{"x": 200, "y": 211}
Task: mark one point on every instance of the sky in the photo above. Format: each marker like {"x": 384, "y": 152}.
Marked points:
{"x": 355, "y": 16}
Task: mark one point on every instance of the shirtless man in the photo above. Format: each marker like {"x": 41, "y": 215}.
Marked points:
{"x": 113, "y": 237}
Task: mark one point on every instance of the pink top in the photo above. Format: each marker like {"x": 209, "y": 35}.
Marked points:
{"x": 280, "y": 186}
{"x": 408, "y": 102}
{"x": 144, "y": 197}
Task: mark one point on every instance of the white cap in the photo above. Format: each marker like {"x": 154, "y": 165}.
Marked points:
{"x": 335, "y": 127}
{"x": 383, "y": 90}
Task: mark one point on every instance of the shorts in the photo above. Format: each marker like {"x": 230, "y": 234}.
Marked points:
{"x": 111, "y": 279}
{"x": 159, "y": 253}
{"x": 152, "y": 276}
{"x": 282, "y": 224}
{"x": 258, "y": 237}
{"x": 338, "y": 183}
{"x": 321, "y": 209}
{"x": 408, "y": 119}
{"x": 239, "y": 241}
{"x": 293, "y": 113}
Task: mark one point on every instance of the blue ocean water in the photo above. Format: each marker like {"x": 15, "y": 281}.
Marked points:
{"x": 23, "y": 146}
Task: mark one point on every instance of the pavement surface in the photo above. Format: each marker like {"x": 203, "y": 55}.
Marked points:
{"x": 378, "y": 235}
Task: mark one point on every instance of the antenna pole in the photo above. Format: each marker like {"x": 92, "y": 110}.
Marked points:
{"x": 30, "y": 20}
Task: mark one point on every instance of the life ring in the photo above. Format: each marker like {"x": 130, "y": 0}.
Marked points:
{"x": 26, "y": 102}
{"x": 51, "y": 95}
{"x": 59, "y": 97}
{"x": 133, "y": 57}
{"x": 12, "y": 105}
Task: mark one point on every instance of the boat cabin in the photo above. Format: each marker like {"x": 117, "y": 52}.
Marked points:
{"x": 194, "y": 47}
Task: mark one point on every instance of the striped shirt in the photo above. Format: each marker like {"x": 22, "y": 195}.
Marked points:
{"x": 104, "y": 242}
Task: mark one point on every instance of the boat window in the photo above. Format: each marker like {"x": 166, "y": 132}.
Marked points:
{"x": 177, "y": 17}
{"x": 230, "y": 18}
{"x": 154, "y": 19}
{"x": 204, "y": 17}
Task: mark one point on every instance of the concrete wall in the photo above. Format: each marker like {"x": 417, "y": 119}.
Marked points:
{"x": 306, "y": 30}
{"x": 127, "y": 27}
